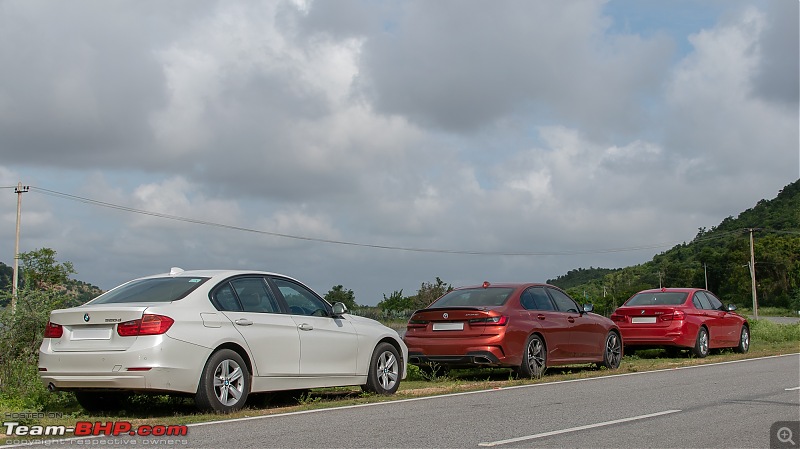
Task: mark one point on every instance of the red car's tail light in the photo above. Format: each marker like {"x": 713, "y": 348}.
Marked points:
{"x": 417, "y": 324}
{"x": 148, "y": 325}
{"x": 490, "y": 321}
{"x": 53, "y": 330}
{"x": 674, "y": 316}
{"x": 618, "y": 318}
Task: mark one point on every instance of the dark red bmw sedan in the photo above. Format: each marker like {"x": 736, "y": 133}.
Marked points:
{"x": 681, "y": 318}
{"x": 527, "y": 327}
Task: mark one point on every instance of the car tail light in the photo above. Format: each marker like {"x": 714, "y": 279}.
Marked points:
{"x": 490, "y": 321}
{"x": 53, "y": 330}
{"x": 674, "y": 316}
{"x": 147, "y": 325}
{"x": 618, "y": 318}
{"x": 417, "y": 324}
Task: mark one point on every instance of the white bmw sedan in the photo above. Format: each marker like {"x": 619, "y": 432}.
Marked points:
{"x": 218, "y": 335}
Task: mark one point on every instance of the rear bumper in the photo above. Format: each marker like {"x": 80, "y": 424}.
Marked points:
{"x": 489, "y": 351}
{"x": 480, "y": 358}
{"x": 168, "y": 365}
{"x": 679, "y": 336}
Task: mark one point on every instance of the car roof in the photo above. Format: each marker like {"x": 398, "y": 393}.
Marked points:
{"x": 214, "y": 273}
{"x": 672, "y": 289}
{"x": 506, "y": 285}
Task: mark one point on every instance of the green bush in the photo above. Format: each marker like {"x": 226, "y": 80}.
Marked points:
{"x": 21, "y": 333}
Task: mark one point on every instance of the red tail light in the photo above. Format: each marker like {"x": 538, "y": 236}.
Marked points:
{"x": 53, "y": 330}
{"x": 490, "y": 321}
{"x": 148, "y": 325}
{"x": 618, "y": 318}
{"x": 417, "y": 324}
{"x": 674, "y": 316}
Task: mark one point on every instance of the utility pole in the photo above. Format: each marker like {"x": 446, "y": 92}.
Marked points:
{"x": 705, "y": 272}
{"x": 752, "y": 265}
{"x": 19, "y": 191}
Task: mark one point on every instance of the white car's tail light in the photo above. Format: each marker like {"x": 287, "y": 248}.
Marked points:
{"x": 149, "y": 324}
{"x": 53, "y": 330}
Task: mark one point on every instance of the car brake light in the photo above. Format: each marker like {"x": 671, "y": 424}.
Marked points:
{"x": 490, "y": 321}
{"x": 53, "y": 330}
{"x": 417, "y": 324}
{"x": 674, "y": 316}
{"x": 147, "y": 325}
{"x": 618, "y": 318}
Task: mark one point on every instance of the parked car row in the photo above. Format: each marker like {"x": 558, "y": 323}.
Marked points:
{"x": 222, "y": 335}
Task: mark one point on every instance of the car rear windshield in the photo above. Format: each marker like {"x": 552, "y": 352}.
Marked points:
{"x": 474, "y": 297}
{"x": 151, "y": 290}
{"x": 657, "y": 299}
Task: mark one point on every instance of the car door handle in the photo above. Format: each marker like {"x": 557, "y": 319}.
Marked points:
{"x": 243, "y": 322}
{"x": 540, "y": 316}
{"x": 571, "y": 320}
{"x": 305, "y": 327}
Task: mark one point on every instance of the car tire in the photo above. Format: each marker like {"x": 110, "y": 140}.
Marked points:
{"x": 101, "y": 401}
{"x": 534, "y": 358}
{"x": 744, "y": 341}
{"x": 385, "y": 367}
{"x": 612, "y": 351}
{"x": 224, "y": 384}
{"x": 701, "y": 344}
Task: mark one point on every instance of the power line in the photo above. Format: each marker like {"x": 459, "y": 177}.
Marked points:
{"x": 349, "y": 243}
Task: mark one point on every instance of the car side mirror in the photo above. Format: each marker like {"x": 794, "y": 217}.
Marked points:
{"x": 339, "y": 309}
{"x": 588, "y": 308}
{"x": 731, "y": 307}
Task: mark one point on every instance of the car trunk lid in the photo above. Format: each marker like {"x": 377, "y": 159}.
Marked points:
{"x": 94, "y": 328}
{"x": 454, "y": 322}
{"x": 649, "y": 316}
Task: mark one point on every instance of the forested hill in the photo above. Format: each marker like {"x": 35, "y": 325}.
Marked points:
{"x": 718, "y": 256}
{"x": 78, "y": 291}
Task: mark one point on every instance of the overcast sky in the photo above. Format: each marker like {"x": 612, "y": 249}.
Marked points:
{"x": 469, "y": 140}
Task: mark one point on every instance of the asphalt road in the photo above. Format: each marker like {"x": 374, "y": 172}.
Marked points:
{"x": 726, "y": 405}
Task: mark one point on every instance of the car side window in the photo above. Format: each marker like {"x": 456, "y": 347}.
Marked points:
{"x": 254, "y": 295}
{"x": 716, "y": 304}
{"x": 224, "y": 299}
{"x": 301, "y": 301}
{"x": 535, "y": 298}
{"x": 703, "y": 300}
{"x": 563, "y": 302}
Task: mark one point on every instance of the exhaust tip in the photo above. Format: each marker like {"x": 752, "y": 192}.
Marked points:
{"x": 51, "y": 387}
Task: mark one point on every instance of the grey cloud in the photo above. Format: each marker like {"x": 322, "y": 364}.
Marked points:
{"x": 462, "y": 65}
{"x": 777, "y": 79}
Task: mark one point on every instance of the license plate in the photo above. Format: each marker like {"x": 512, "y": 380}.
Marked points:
{"x": 643, "y": 319}
{"x": 448, "y": 326}
{"x": 97, "y": 333}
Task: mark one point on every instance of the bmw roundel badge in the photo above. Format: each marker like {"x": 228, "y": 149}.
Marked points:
{"x": 445, "y": 315}
{"x": 86, "y": 317}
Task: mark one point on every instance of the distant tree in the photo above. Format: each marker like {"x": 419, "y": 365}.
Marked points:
{"x": 40, "y": 270}
{"x": 429, "y": 292}
{"x": 339, "y": 294}
{"x": 395, "y": 302}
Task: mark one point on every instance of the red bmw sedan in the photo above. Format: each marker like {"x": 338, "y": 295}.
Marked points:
{"x": 681, "y": 318}
{"x": 527, "y": 327}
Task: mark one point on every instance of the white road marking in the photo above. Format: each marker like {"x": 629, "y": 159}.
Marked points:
{"x": 574, "y": 429}
{"x": 792, "y": 389}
